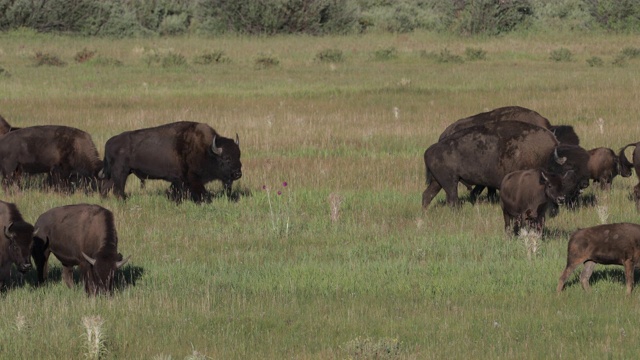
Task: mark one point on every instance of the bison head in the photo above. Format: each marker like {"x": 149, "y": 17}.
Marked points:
{"x": 573, "y": 158}
{"x": 20, "y": 236}
{"x": 227, "y": 154}
{"x": 553, "y": 186}
{"x": 99, "y": 277}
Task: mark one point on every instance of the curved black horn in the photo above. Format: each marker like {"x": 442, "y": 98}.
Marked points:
{"x": 559, "y": 160}
{"x": 216, "y": 150}
{"x": 91, "y": 260}
{"x": 237, "y": 140}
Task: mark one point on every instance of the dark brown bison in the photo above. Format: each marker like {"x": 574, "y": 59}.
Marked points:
{"x": 484, "y": 154}
{"x": 526, "y": 195}
{"x": 609, "y": 244}
{"x": 626, "y": 167}
{"x": 83, "y": 235}
{"x": 564, "y": 133}
{"x": 68, "y": 155}
{"x": 15, "y": 241}
{"x": 604, "y": 165}
{"x": 187, "y": 154}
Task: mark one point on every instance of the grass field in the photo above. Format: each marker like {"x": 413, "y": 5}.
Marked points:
{"x": 342, "y": 262}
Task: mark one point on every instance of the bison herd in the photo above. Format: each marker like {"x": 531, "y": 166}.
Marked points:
{"x": 186, "y": 154}
{"x": 536, "y": 167}
{"x": 512, "y": 151}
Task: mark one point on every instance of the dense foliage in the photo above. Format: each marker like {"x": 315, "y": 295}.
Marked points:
{"x": 126, "y": 18}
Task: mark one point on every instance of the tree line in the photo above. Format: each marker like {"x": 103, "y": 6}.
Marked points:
{"x": 130, "y": 18}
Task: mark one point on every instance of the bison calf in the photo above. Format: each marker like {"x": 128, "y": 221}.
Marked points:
{"x": 604, "y": 165}
{"x": 83, "y": 235}
{"x": 610, "y": 244}
{"x": 525, "y": 196}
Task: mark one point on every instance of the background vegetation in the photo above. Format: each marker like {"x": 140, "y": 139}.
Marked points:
{"x": 341, "y": 262}
{"x": 134, "y": 18}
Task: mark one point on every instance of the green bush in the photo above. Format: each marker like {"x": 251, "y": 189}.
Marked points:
{"x": 475, "y": 54}
{"x": 385, "y": 54}
{"x": 330, "y": 55}
{"x": 47, "y": 59}
{"x": 172, "y": 59}
{"x": 595, "y": 61}
{"x": 561, "y": 55}
{"x": 631, "y": 52}
{"x": 215, "y": 57}
{"x": 266, "y": 61}
{"x": 492, "y": 17}
{"x": 84, "y": 55}
{"x": 446, "y": 56}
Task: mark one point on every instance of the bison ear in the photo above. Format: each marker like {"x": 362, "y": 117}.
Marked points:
{"x": 214, "y": 149}
{"x": 91, "y": 260}
{"x": 7, "y": 232}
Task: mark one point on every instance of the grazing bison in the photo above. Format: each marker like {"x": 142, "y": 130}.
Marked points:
{"x": 484, "y": 154}
{"x": 83, "y": 235}
{"x": 604, "y": 165}
{"x": 564, "y": 133}
{"x": 15, "y": 241}
{"x": 626, "y": 168}
{"x": 187, "y": 154}
{"x": 525, "y": 196}
{"x": 66, "y": 154}
{"x": 609, "y": 244}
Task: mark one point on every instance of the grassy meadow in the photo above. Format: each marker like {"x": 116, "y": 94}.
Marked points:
{"x": 341, "y": 263}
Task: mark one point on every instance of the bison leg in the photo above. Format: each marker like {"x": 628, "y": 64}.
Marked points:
{"x": 629, "y": 267}
{"x": 119, "y": 179}
{"x": 427, "y": 196}
{"x": 571, "y": 266}
{"x": 636, "y": 196}
{"x": 67, "y": 276}
{"x": 40, "y": 254}
{"x": 585, "y": 275}
{"x": 477, "y": 190}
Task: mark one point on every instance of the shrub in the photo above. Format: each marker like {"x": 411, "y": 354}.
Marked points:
{"x": 105, "y": 61}
{"x": 385, "y": 54}
{"x": 561, "y": 55}
{"x": 172, "y": 59}
{"x": 492, "y": 17}
{"x": 475, "y": 54}
{"x": 330, "y": 55}
{"x": 595, "y": 61}
{"x": 446, "y": 56}
{"x": 631, "y": 52}
{"x": 266, "y": 61}
{"x": 48, "y": 59}
{"x": 620, "y": 60}
{"x": 84, "y": 55}
{"x": 215, "y": 57}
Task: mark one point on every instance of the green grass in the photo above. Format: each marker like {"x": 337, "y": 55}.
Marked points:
{"x": 274, "y": 276}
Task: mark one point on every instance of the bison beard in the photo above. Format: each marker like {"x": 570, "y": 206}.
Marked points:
{"x": 186, "y": 154}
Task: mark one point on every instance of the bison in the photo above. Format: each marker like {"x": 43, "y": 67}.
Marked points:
{"x": 66, "y": 154}
{"x": 626, "y": 167}
{"x": 525, "y": 196}
{"x": 609, "y": 244}
{"x": 484, "y": 154}
{"x": 604, "y": 165}
{"x": 81, "y": 234}
{"x": 564, "y": 133}
{"x": 187, "y": 154}
{"x": 15, "y": 241}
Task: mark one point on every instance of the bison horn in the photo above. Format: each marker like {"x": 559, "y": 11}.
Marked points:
{"x": 120, "y": 263}
{"x": 559, "y": 160}
{"x": 216, "y": 150}
{"x": 91, "y": 260}
{"x": 237, "y": 140}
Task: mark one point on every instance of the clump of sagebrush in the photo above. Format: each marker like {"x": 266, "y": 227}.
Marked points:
{"x": 475, "y": 54}
{"x": 4, "y": 72}
{"x": 95, "y": 336}
{"x": 531, "y": 240}
{"x": 330, "y": 56}
{"x": 264, "y": 61}
{"x": 41, "y": 59}
{"x": 84, "y": 55}
{"x": 561, "y": 55}
{"x": 595, "y": 62}
{"x": 620, "y": 60}
{"x": 368, "y": 348}
{"x": 385, "y": 54}
{"x": 214, "y": 57}
{"x": 631, "y": 52}
{"x": 173, "y": 59}
{"x": 105, "y": 61}
{"x": 446, "y": 56}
